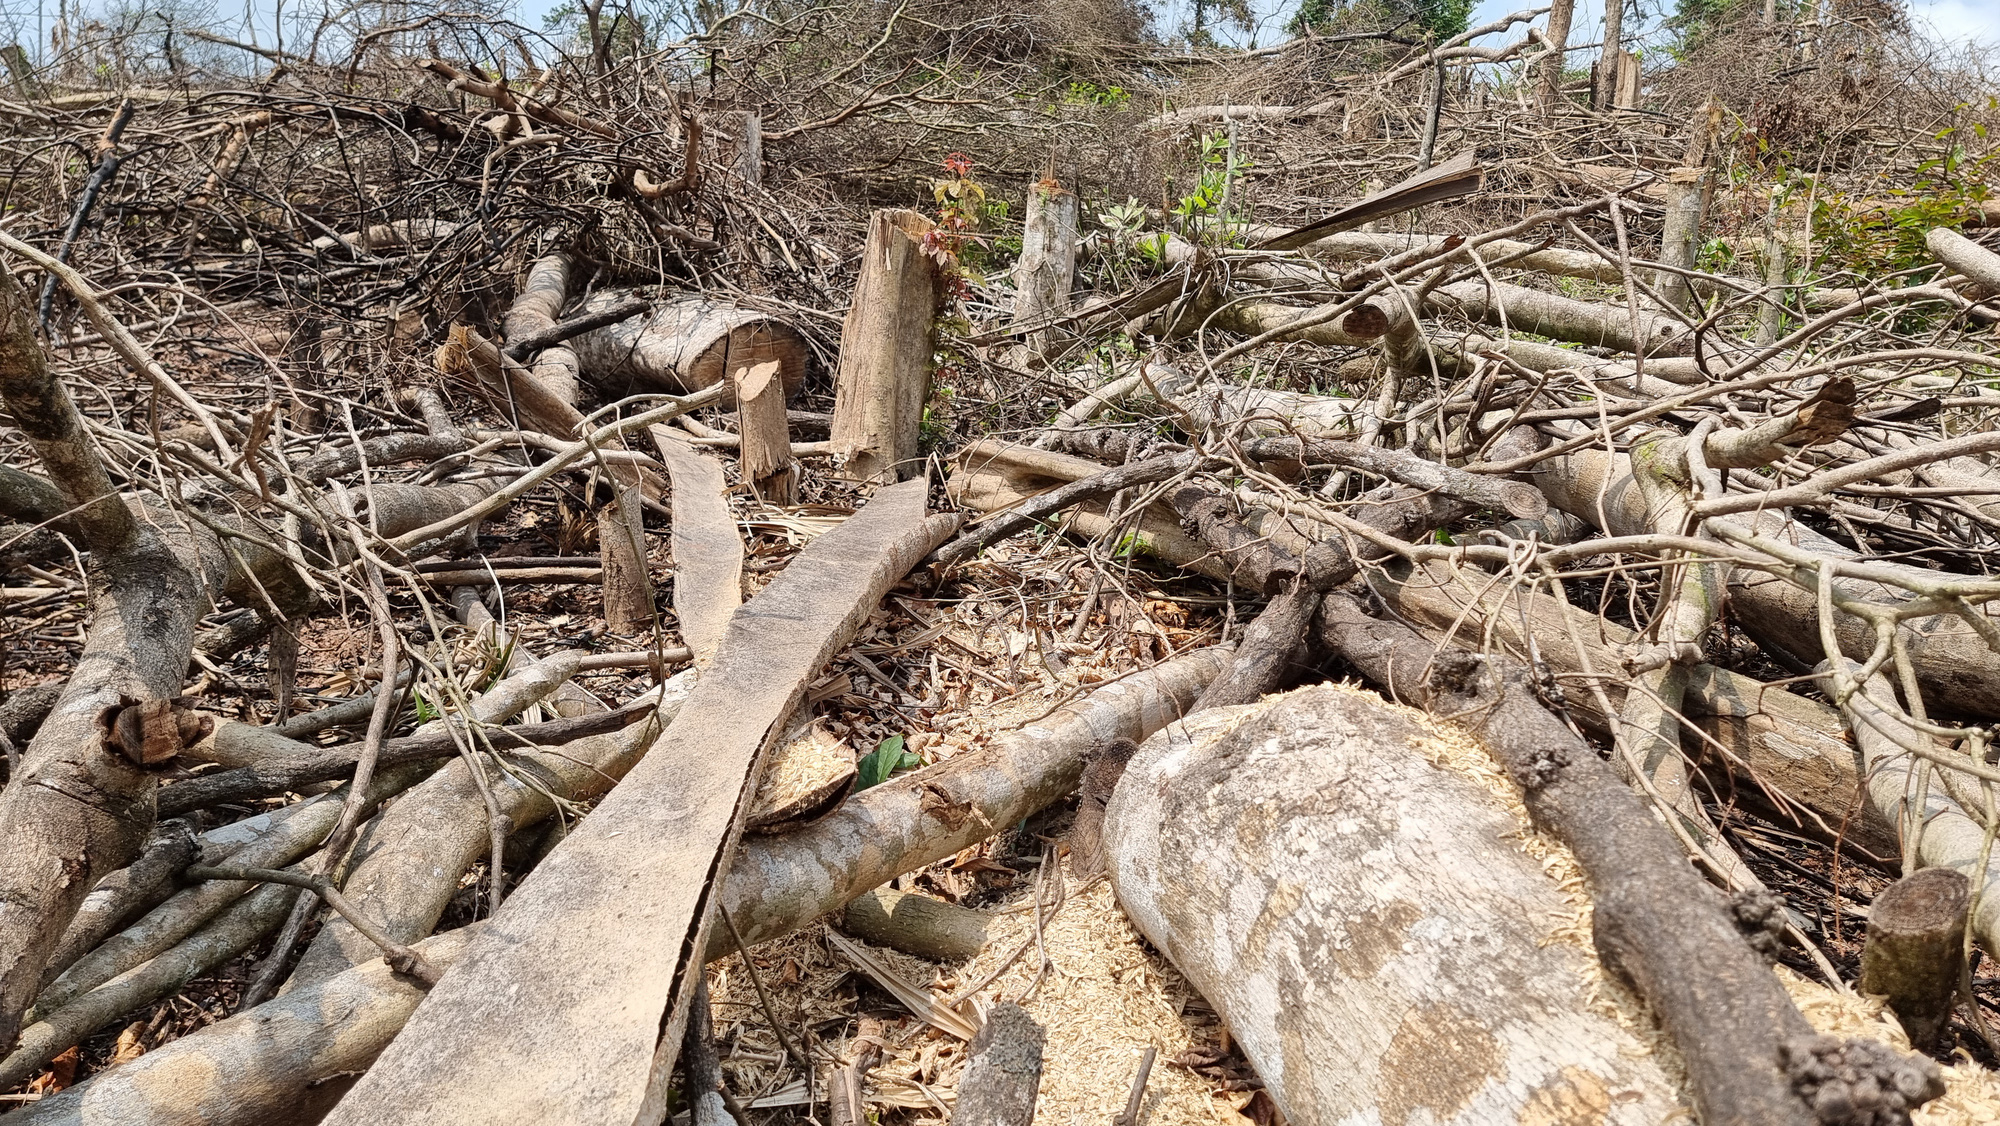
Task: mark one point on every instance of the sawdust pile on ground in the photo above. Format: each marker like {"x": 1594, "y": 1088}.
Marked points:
{"x": 1105, "y": 998}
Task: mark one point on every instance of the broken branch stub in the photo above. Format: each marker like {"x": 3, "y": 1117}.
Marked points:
{"x": 502, "y": 1039}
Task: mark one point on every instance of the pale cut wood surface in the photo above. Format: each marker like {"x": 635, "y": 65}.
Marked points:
{"x": 555, "y": 1012}
{"x": 708, "y": 549}
{"x": 885, "y": 350}
{"x": 1366, "y": 922}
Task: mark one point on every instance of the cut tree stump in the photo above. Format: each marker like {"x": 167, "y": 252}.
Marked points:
{"x": 1047, "y": 268}
{"x": 885, "y": 350}
{"x": 1916, "y": 949}
{"x": 571, "y": 1004}
{"x": 1366, "y": 921}
{"x": 765, "y": 453}
{"x": 1004, "y": 1073}
{"x": 687, "y": 343}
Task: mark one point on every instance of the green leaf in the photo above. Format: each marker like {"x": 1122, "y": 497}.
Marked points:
{"x": 887, "y": 758}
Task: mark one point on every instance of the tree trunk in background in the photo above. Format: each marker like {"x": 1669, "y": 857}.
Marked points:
{"x": 1552, "y": 67}
{"x": 1047, "y": 268}
{"x": 885, "y": 350}
{"x": 1611, "y": 56}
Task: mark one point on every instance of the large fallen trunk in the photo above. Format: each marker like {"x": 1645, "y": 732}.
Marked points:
{"x": 1253, "y": 846}
{"x": 501, "y": 1039}
{"x": 1752, "y": 1059}
{"x": 688, "y": 343}
{"x": 290, "y": 1058}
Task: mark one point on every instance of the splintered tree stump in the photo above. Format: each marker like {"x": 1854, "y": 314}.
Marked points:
{"x": 1366, "y": 921}
{"x": 765, "y": 456}
{"x": 1005, "y": 1072}
{"x": 1916, "y": 949}
{"x": 685, "y": 344}
{"x": 885, "y": 350}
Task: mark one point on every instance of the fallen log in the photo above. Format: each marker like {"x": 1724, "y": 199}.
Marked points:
{"x": 277, "y": 843}
{"x": 688, "y": 343}
{"x": 916, "y": 924}
{"x": 581, "y": 1046}
{"x": 1521, "y": 309}
{"x": 1773, "y": 740}
{"x": 535, "y": 310}
{"x": 127, "y": 893}
{"x": 1242, "y": 843}
{"x": 296, "y": 1054}
{"x": 1656, "y": 924}
{"x": 1956, "y": 669}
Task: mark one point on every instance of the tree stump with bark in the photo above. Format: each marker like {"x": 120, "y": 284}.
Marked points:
{"x": 885, "y": 349}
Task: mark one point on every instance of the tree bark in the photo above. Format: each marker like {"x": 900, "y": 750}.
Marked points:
{"x": 917, "y": 924}
{"x": 885, "y": 350}
{"x": 1243, "y": 843}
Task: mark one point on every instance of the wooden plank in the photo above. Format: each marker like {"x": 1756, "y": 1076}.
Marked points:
{"x": 708, "y": 550}
{"x": 557, "y": 1009}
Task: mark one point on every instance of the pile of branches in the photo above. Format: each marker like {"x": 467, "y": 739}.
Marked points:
{"x": 1686, "y": 520}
